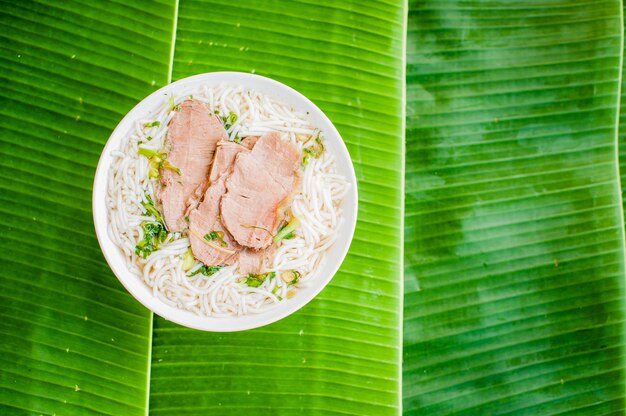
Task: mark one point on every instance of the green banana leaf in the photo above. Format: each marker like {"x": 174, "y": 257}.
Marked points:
{"x": 622, "y": 120}
{"x": 513, "y": 234}
{"x": 514, "y": 245}
{"x": 340, "y": 354}
{"x": 73, "y": 341}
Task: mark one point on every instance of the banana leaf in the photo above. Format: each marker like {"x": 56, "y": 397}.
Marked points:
{"x": 514, "y": 234}
{"x": 341, "y": 353}
{"x": 514, "y": 246}
{"x": 73, "y": 341}
{"x": 622, "y": 121}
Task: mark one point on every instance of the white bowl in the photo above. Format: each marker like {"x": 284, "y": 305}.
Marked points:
{"x": 319, "y": 278}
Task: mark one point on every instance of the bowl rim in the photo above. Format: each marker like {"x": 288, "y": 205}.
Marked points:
{"x": 184, "y": 317}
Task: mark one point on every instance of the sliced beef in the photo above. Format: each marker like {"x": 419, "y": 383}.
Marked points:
{"x": 254, "y": 261}
{"x": 261, "y": 181}
{"x": 224, "y": 158}
{"x": 250, "y": 141}
{"x": 251, "y": 261}
{"x": 193, "y": 135}
{"x": 205, "y": 219}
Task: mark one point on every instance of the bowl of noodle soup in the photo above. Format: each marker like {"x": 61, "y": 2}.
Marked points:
{"x": 164, "y": 275}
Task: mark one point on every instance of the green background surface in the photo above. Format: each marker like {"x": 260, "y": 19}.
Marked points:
{"x": 514, "y": 247}
{"x": 74, "y": 341}
{"x": 504, "y": 211}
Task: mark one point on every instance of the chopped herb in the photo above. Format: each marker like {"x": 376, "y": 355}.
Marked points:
{"x": 216, "y": 236}
{"x": 312, "y": 151}
{"x": 291, "y": 277}
{"x": 206, "y": 270}
{"x": 274, "y": 292}
{"x": 154, "y": 233}
{"x": 149, "y": 138}
{"x": 320, "y": 145}
{"x": 153, "y": 168}
{"x": 228, "y": 120}
{"x": 297, "y": 277}
{"x": 149, "y": 153}
{"x": 286, "y": 231}
{"x": 188, "y": 260}
{"x": 165, "y": 164}
{"x": 153, "y": 124}
{"x": 237, "y": 139}
{"x": 252, "y": 281}
{"x": 187, "y": 218}
{"x": 156, "y": 161}
{"x": 173, "y": 105}
{"x": 256, "y": 280}
{"x": 148, "y": 204}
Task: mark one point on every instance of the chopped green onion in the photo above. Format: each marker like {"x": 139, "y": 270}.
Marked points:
{"x": 165, "y": 164}
{"x": 276, "y": 289}
{"x": 291, "y": 277}
{"x": 297, "y": 277}
{"x": 157, "y": 161}
{"x": 305, "y": 161}
{"x": 154, "y": 233}
{"x": 286, "y": 232}
{"x": 156, "y": 123}
{"x": 149, "y": 153}
{"x": 188, "y": 260}
{"x": 216, "y": 236}
{"x": 228, "y": 120}
{"x": 253, "y": 281}
{"x": 153, "y": 171}
{"x": 173, "y": 105}
{"x": 310, "y": 152}
{"x": 314, "y": 151}
{"x": 320, "y": 144}
{"x": 148, "y": 204}
{"x": 256, "y": 280}
{"x": 206, "y": 271}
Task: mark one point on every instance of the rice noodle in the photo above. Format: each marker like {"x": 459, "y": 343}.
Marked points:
{"x": 316, "y": 205}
